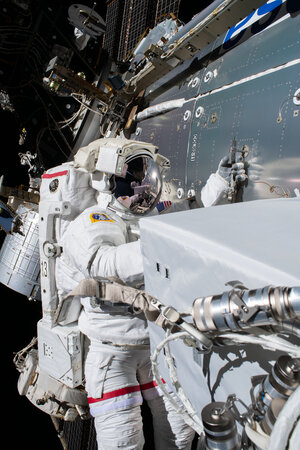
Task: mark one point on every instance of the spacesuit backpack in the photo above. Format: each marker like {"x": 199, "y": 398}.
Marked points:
{"x": 65, "y": 192}
{"x": 56, "y": 366}
{"x": 66, "y": 183}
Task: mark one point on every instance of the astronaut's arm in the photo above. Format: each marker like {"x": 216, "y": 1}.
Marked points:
{"x": 209, "y": 195}
{"x": 212, "y": 193}
{"x": 123, "y": 261}
{"x": 96, "y": 247}
{"x": 217, "y": 184}
{"x": 213, "y": 190}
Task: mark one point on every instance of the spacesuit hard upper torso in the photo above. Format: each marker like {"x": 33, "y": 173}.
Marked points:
{"x": 96, "y": 244}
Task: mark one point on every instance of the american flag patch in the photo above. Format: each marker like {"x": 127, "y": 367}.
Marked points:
{"x": 161, "y": 206}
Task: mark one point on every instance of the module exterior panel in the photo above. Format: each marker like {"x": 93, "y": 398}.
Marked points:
{"x": 250, "y": 93}
{"x": 202, "y": 251}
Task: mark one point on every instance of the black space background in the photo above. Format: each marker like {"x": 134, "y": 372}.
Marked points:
{"x": 25, "y": 426}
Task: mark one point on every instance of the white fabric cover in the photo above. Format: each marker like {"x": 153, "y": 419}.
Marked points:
{"x": 256, "y": 243}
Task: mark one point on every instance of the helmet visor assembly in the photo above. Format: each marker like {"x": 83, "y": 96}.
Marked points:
{"x": 139, "y": 187}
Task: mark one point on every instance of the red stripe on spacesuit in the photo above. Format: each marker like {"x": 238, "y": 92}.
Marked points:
{"x": 116, "y": 393}
{"x": 124, "y": 391}
{"x": 56, "y": 174}
{"x": 150, "y": 385}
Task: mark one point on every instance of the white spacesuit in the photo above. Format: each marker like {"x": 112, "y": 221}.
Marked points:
{"x": 99, "y": 243}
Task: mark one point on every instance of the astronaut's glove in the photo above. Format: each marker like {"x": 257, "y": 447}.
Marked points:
{"x": 239, "y": 169}
{"x": 255, "y": 169}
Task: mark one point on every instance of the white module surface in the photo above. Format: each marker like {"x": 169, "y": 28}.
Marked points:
{"x": 195, "y": 253}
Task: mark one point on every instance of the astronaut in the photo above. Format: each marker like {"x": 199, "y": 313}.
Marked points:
{"x": 100, "y": 243}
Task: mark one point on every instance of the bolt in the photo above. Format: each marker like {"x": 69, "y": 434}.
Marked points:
{"x": 199, "y": 112}
{"x": 180, "y": 193}
{"x": 208, "y": 77}
{"x": 217, "y": 411}
{"x": 195, "y": 82}
{"x": 187, "y": 115}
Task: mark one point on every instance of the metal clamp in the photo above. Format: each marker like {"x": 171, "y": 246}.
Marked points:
{"x": 174, "y": 317}
{"x": 230, "y": 406}
{"x": 244, "y": 311}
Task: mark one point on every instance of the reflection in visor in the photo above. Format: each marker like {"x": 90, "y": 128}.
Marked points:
{"x": 140, "y": 190}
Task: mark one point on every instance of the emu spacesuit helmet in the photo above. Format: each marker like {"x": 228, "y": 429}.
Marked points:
{"x": 129, "y": 172}
{"x": 139, "y": 188}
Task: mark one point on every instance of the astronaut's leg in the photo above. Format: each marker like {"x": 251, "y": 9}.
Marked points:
{"x": 120, "y": 429}
{"x": 114, "y": 397}
{"x": 170, "y": 430}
